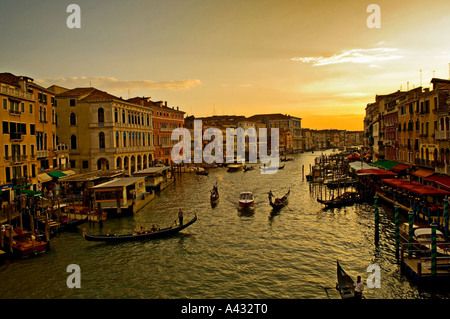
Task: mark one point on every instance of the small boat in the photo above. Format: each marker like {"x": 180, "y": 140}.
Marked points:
{"x": 24, "y": 243}
{"x": 422, "y": 238}
{"x": 345, "y": 284}
{"x": 286, "y": 159}
{"x": 214, "y": 198}
{"x": 55, "y": 226}
{"x": 340, "y": 182}
{"x": 270, "y": 168}
{"x": 234, "y": 167}
{"x": 279, "y": 202}
{"x": 346, "y": 199}
{"x": 246, "y": 199}
{"x": 248, "y": 168}
{"x": 201, "y": 172}
{"x": 140, "y": 235}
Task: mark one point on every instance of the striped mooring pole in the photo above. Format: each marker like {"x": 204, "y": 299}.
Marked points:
{"x": 433, "y": 249}
{"x": 446, "y": 217}
{"x": 397, "y": 230}
{"x": 411, "y": 232}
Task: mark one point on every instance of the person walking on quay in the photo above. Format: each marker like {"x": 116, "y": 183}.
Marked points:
{"x": 359, "y": 288}
{"x": 180, "y": 216}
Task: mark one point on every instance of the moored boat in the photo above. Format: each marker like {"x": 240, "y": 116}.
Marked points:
{"x": 24, "y": 243}
{"x": 345, "y": 284}
{"x": 140, "y": 235}
{"x": 422, "y": 238}
{"x": 345, "y": 199}
{"x": 246, "y": 199}
{"x": 248, "y": 168}
{"x": 234, "y": 167}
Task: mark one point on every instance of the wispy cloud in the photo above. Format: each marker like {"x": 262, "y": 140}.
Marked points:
{"x": 112, "y": 85}
{"x": 367, "y": 56}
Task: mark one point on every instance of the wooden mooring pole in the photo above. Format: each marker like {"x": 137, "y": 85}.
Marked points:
{"x": 397, "y": 230}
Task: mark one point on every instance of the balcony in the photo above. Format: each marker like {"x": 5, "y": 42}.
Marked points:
{"x": 42, "y": 154}
{"x": 16, "y": 159}
{"x": 442, "y": 135}
{"x": 15, "y": 92}
{"x": 16, "y": 137}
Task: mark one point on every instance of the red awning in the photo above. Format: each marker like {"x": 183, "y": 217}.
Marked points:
{"x": 439, "y": 180}
{"x": 400, "y": 167}
{"x": 381, "y": 173}
{"x": 423, "y": 173}
{"x": 415, "y": 187}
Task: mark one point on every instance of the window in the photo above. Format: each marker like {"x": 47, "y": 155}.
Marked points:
{"x": 73, "y": 142}
{"x": 72, "y": 163}
{"x": 31, "y": 108}
{"x": 101, "y": 140}
{"x": 22, "y": 107}
{"x": 85, "y": 164}
{"x": 6, "y": 150}
{"x": 5, "y": 104}
{"x": 32, "y": 129}
{"x": 72, "y": 102}
{"x": 101, "y": 115}
{"x": 5, "y": 127}
{"x": 73, "y": 119}
{"x": 116, "y": 116}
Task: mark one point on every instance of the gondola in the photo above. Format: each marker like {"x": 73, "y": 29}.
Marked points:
{"x": 248, "y": 168}
{"x": 345, "y": 284}
{"x": 279, "y": 202}
{"x": 346, "y": 199}
{"x": 201, "y": 172}
{"x": 140, "y": 235}
{"x": 214, "y": 197}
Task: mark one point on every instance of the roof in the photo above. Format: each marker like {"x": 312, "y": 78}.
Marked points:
{"x": 120, "y": 182}
{"x": 400, "y": 167}
{"x": 440, "y": 180}
{"x": 380, "y": 173}
{"x": 86, "y": 177}
{"x": 386, "y": 164}
{"x": 415, "y": 187}
{"x": 358, "y": 165}
{"x": 423, "y": 173}
{"x": 152, "y": 170}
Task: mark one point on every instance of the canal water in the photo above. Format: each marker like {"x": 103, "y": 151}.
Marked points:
{"x": 226, "y": 254}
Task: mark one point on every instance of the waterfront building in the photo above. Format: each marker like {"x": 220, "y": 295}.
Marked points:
{"x": 29, "y": 141}
{"x": 165, "y": 119}
{"x": 104, "y": 132}
{"x": 283, "y": 121}
{"x": 412, "y": 127}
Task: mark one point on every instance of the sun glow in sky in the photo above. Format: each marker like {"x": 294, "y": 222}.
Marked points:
{"x": 317, "y": 60}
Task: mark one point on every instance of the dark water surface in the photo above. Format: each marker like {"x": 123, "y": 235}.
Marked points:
{"x": 225, "y": 254}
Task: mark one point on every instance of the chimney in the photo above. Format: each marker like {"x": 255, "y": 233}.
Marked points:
{"x": 165, "y": 103}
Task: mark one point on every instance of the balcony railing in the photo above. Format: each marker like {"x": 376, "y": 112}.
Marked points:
{"x": 442, "y": 135}
{"x": 16, "y": 92}
{"x": 42, "y": 154}
{"x": 16, "y": 158}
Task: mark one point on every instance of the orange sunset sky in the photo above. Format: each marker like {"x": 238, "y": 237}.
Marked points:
{"x": 317, "y": 60}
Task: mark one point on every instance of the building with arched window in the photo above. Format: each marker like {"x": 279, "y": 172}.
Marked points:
{"x": 104, "y": 131}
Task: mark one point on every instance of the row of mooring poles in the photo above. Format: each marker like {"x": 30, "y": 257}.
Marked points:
{"x": 411, "y": 215}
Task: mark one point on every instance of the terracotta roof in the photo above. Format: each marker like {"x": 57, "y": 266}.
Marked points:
{"x": 76, "y": 92}
{"x": 98, "y": 95}
{"x": 9, "y": 78}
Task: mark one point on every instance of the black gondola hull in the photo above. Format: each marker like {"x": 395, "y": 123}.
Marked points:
{"x": 165, "y": 232}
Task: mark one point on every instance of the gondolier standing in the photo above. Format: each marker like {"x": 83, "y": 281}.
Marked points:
{"x": 180, "y": 216}
{"x": 359, "y": 287}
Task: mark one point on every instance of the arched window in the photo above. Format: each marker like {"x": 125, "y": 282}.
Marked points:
{"x": 116, "y": 116}
{"x": 117, "y": 139}
{"x": 101, "y": 115}
{"x": 124, "y": 139}
{"x": 73, "y": 142}
{"x": 101, "y": 140}
{"x": 73, "y": 119}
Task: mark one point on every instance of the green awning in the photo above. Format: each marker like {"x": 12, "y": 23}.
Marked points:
{"x": 385, "y": 164}
{"x": 31, "y": 193}
{"x": 21, "y": 186}
{"x": 57, "y": 174}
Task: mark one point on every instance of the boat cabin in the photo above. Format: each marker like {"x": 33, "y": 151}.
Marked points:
{"x": 156, "y": 178}
{"x": 126, "y": 194}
